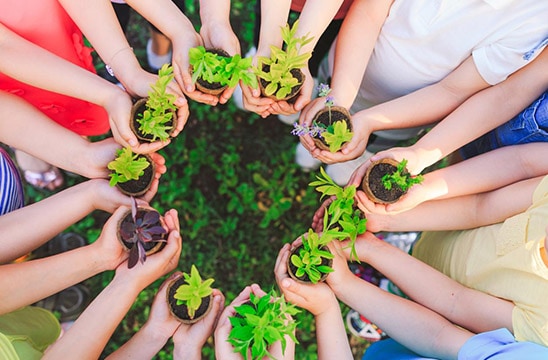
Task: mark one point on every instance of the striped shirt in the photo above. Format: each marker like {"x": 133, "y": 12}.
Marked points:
{"x": 11, "y": 186}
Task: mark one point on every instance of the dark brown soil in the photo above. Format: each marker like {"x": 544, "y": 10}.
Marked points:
{"x": 376, "y": 186}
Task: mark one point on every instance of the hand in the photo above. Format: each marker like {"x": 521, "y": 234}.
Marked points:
{"x": 341, "y": 271}
{"x": 254, "y": 102}
{"x": 108, "y": 246}
{"x": 189, "y": 339}
{"x": 221, "y": 36}
{"x": 223, "y": 349}
{"x": 160, "y": 322}
{"x": 158, "y": 264}
{"x": 316, "y": 298}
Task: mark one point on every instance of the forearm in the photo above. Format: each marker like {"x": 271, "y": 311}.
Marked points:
{"x": 490, "y": 171}
{"x": 331, "y": 335}
{"x": 25, "y": 229}
{"x": 357, "y": 36}
{"x": 432, "y": 335}
{"x": 274, "y": 14}
{"x": 428, "y": 104}
{"x": 27, "y": 282}
{"x": 33, "y": 65}
{"x": 88, "y": 336}
{"x": 314, "y": 19}
{"x": 425, "y": 285}
{"x": 215, "y": 12}
{"x": 165, "y": 16}
{"x": 144, "y": 345}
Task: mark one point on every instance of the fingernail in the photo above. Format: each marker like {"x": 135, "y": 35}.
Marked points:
{"x": 286, "y": 283}
{"x": 189, "y": 88}
{"x": 133, "y": 142}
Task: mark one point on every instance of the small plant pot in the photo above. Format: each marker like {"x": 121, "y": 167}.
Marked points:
{"x": 372, "y": 182}
{"x": 212, "y": 88}
{"x": 180, "y": 312}
{"x": 140, "y": 186}
{"x": 297, "y": 73}
{"x": 291, "y": 269}
{"x": 322, "y": 117}
{"x": 150, "y": 247}
{"x": 138, "y": 108}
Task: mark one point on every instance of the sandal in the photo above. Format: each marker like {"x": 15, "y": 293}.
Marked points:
{"x": 51, "y": 179}
{"x": 60, "y": 243}
{"x": 68, "y": 303}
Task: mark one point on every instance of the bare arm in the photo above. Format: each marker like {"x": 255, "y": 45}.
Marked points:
{"x": 432, "y": 335}
{"x": 25, "y": 283}
{"x": 478, "y": 115}
{"x": 104, "y": 314}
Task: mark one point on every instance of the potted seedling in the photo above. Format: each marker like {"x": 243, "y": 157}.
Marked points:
{"x": 213, "y": 70}
{"x": 155, "y": 116}
{"x": 131, "y": 173}
{"x": 189, "y": 297}
{"x": 280, "y": 75}
{"x": 387, "y": 180}
{"x": 331, "y": 127}
{"x": 342, "y": 219}
{"x": 261, "y": 322}
{"x": 311, "y": 261}
{"x": 141, "y": 232}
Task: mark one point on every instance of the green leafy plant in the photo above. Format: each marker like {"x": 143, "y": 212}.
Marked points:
{"x": 157, "y": 119}
{"x": 191, "y": 293}
{"x": 215, "y": 68}
{"x": 309, "y": 258}
{"x": 341, "y": 219}
{"x": 401, "y": 178}
{"x": 127, "y": 166}
{"x": 335, "y": 133}
{"x": 260, "y": 323}
{"x": 276, "y": 69}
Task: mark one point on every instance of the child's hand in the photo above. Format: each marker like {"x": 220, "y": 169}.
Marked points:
{"x": 341, "y": 271}
{"x": 108, "y": 246}
{"x": 189, "y": 339}
{"x": 254, "y": 102}
{"x": 158, "y": 264}
{"x": 315, "y": 298}
{"x": 223, "y": 349}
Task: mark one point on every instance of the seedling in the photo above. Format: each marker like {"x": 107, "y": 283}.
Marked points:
{"x": 193, "y": 291}
{"x": 127, "y": 166}
{"x": 260, "y": 323}
{"x": 145, "y": 228}
{"x": 401, "y": 178}
{"x": 276, "y": 70}
{"x": 309, "y": 259}
{"x": 157, "y": 119}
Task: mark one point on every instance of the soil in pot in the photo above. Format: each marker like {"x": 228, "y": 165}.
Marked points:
{"x": 212, "y": 88}
{"x": 292, "y": 96}
{"x": 140, "y": 186}
{"x": 181, "y": 311}
{"x": 372, "y": 182}
{"x": 138, "y": 108}
{"x": 292, "y": 269}
{"x": 322, "y": 117}
{"x": 151, "y": 247}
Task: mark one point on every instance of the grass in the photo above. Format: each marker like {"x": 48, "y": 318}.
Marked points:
{"x": 240, "y": 197}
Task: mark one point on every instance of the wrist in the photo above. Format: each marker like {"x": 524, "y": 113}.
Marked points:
{"x": 156, "y": 334}
{"x": 187, "y": 352}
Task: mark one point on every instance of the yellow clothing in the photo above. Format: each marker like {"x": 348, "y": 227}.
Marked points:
{"x": 26, "y": 333}
{"x": 503, "y": 260}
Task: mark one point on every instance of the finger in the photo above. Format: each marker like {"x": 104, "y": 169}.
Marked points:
{"x": 226, "y": 95}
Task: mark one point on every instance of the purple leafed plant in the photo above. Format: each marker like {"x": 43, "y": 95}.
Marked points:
{"x": 144, "y": 228}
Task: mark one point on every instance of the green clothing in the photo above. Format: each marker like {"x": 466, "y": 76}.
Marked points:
{"x": 26, "y": 333}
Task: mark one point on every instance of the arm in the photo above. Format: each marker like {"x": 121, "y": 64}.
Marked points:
{"x": 478, "y": 115}
{"x": 432, "y": 335}
{"x": 492, "y": 170}
{"x": 103, "y": 315}
{"x": 25, "y": 283}
{"x": 425, "y": 285}
{"x": 322, "y": 303}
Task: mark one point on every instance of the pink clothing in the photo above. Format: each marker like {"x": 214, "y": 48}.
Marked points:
{"x": 46, "y": 24}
